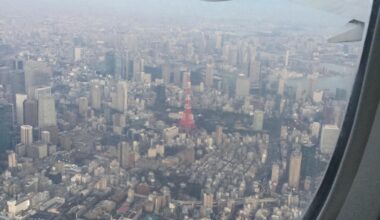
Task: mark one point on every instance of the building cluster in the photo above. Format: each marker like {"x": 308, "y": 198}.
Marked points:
{"x": 169, "y": 123}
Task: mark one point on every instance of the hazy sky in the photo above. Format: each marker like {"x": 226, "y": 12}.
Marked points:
{"x": 276, "y": 10}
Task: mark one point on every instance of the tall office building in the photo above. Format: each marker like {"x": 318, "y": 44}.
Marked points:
{"x": 315, "y": 128}
{"x": 83, "y": 105}
{"x": 208, "y": 200}
{"x": 219, "y": 135}
{"x": 295, "y": 169}
{"x": 31, "y": 112}
{"x": 122, "y": 96}
{"x": 209, "y": 78}
{"x": 311, "y": 81}
{"x": 124, "y": 154}
{"x": 12, "y": 161}
{"x": 45, "y": 137}
{"x": 138, "y": 68}
{"x": 110, "y": 62}
{"x": 275, "y": 173}
{"x": 47, "y": 115}
{"x": 242, "y": 86}
{"x": 165, "y": 69}
{"x": 281, "y": 87}
{"x": 6, "y": 126}
{"x": 78, "y": 51}
{"x": 286, "y": 60}
{"x": 36, "y": 74}
{"x": 18, "y": 76}
{"x": 308, "y": 160}
{"x": 26, "y": 133}
{"x": 96, "y": 95}
{"x": 254, "y": 73}
{"x": 42, "y": 91}
{"x": 258, "y": 120}
{"x": 329, "y": 137}
{"x": 186, "y": 78}
{"x": 20, "y": 99}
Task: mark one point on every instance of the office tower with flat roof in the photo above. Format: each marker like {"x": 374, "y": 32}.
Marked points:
{"x": 218, "y": 135}
{"x": 18, "y": 76}
{"x": 329, "y": 137}
{"x": 209, "y": 77}
{"x": 83, "y": 105}
{"x": 138, "y": 68}
{"x": 78, "y": 52}
{"x": 37, "y": 73}
{"x": 295, "y": 169}
{"x": 96, "y": 95}
{"x": 254, "y": 70}
{"x": 281, "y": 87}
{"x": 20, "y": 99}
{"x": 26, "y": 133}
{"x": 6, "y": 126}
{"x": 47, "y": 115}
{"x": 308, "y": 160}
{"x": 42, "y": 91}
{"x": 12, "y": 161}
{"x": 31, "y": 112}
{"x": 124, "y": 154}
{"x": 122, "y": 96}
{"x": 242, "y": 86}
{"x": 258, "y": 120}
{"x": 45, "y": 137}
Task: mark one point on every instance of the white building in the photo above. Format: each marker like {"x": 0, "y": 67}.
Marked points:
{"x": 242, "y": 86}
{"x": 46, "y": 112}
{"x": 329, "y": 137}
{"x": 26, "y": 133}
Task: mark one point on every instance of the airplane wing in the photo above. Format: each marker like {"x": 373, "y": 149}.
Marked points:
{"x": 356, "y": 12}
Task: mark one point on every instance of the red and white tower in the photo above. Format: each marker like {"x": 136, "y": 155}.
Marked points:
{"x": 187, "y": 121}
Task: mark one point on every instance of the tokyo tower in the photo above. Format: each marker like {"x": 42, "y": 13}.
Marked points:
{"x": 187, "y": 120}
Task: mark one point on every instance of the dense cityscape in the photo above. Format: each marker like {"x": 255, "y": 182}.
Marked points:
{"x": 131, "y": 120}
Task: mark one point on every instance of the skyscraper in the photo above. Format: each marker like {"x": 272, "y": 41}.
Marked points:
{"x": 6, "y": 126}
{"x": 31, "y": 112}
{"x": 254, "y": 73}
{"x": 329, "y": 137}
{"x": 308, "y": 160}
{"x": 45, "y": 137}
{"x": 46, "y": 112}
{"x": 12, "y": 161}
{"x": 36, "y": 74}
{"x": 42, "y": 91}
{"x": 20, "y": 99}
{"x": 124, "y": 151}
{"x": 110, "y": 62}
{"x": 78, "y": 51}
{"x": 219, "y": 135}
{"x": 258, "y": 120}
{"x": 242, "y": 86}
{"x": 83, "y": 105}
{"x": 275, "y": 173}
{"x": 208, "y": 200}
{"x": 138, "y": 68}
{"x": 122, "y": 96}
{"x": 26, "y": 133}
{"x": 281, "y": 87}
{"x": 96, "y": 95}
{"x": 295, "y": 169}
{"x": 209, "y": 78}
{"x": 18, "y": 76}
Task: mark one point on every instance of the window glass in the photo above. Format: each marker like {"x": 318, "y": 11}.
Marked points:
{"x": 163, "y": 109}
